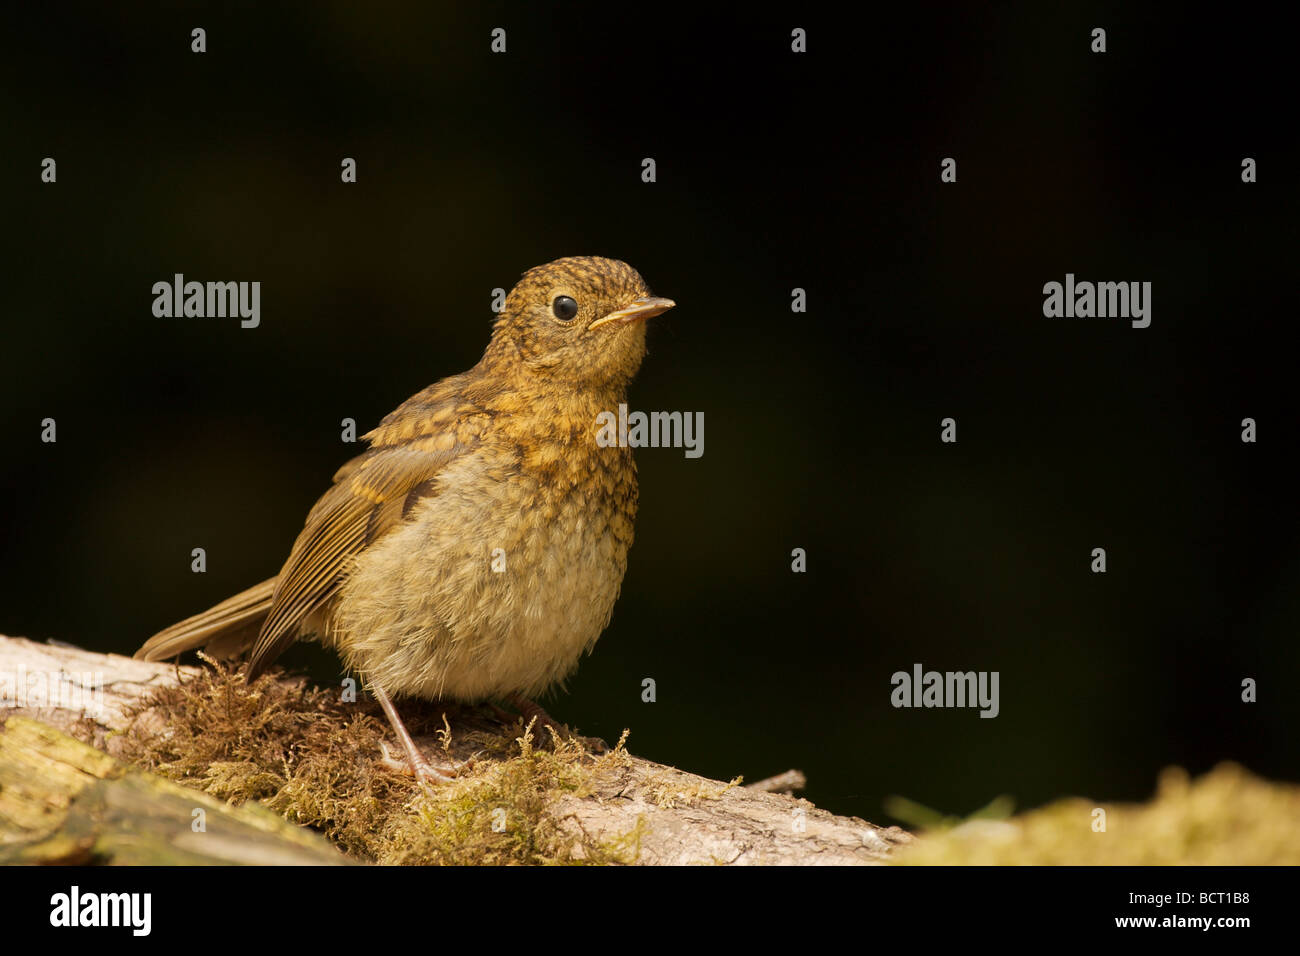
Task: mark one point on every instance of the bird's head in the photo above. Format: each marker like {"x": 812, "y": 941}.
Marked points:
{"x": 580, "y": 320}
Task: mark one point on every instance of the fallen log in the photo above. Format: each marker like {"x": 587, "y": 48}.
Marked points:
{"x": 315, "y": 757}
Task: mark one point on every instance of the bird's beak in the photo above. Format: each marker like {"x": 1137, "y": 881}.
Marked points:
{"x": 639, "y": 310}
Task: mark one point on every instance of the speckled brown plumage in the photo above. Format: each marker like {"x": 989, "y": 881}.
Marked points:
{"x": 394, "y": 567}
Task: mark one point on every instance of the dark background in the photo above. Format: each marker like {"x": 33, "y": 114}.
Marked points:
{"x": 775, "y": 170}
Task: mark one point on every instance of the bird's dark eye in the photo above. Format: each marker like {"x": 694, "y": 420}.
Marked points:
{"x": 564, "y": 308}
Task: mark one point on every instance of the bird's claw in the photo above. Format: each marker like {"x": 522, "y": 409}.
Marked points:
{"x": 422, "y": 770}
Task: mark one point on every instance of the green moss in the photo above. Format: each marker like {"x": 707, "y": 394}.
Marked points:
{"x": 1227, "y": 817}
{"x": 316, "y": 761}
{"x": 501, "y": 813}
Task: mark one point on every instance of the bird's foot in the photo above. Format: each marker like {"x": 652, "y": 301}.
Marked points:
{"x": 532, "y": 711}
{"x": 417, "y": 766}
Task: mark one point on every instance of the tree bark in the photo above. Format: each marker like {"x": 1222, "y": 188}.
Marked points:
{"x": 69, "y": 802}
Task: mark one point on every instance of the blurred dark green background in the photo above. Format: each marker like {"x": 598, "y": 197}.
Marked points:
{"x": 774, "y": 171}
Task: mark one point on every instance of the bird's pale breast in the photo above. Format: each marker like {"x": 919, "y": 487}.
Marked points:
{"x": 500, "y": 581}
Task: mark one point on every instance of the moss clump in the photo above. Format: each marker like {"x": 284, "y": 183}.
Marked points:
{"x": 667, "y": 793}
{"x": 503, "y": 812}
{"x": 316, "y": 760}
{"x": 1228, "y": 817}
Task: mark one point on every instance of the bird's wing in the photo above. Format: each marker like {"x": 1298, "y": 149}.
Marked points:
{"x": 371, "y": 495}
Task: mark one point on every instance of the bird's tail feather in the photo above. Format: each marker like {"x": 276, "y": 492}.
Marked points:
{"x": 224, "y": 630}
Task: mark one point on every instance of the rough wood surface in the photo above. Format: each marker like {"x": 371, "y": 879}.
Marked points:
{"x": 87, "y": 695}
{"x": 64, "y": 802}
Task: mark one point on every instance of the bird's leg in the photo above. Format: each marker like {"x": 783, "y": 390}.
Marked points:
{"x": 533, "y": 711}
{"x": 422, "y": 769}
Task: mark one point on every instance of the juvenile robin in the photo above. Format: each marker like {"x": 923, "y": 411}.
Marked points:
{"x": 476, "y": 550}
